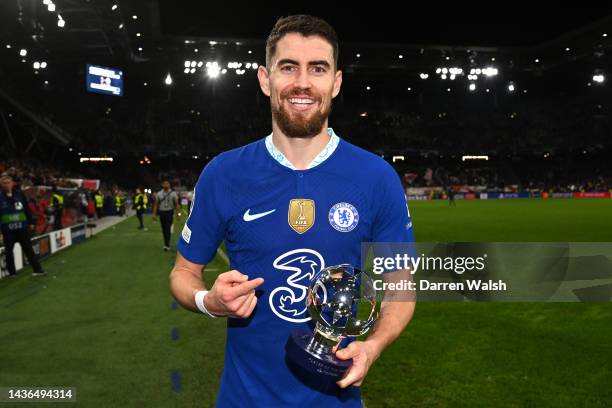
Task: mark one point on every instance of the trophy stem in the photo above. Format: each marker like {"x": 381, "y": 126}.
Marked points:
{"x": 322, "y": 343}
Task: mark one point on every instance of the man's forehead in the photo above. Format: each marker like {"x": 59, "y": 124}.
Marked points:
{"x": 297, "y": 47}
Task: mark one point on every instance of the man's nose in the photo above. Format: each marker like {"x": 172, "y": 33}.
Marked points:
{"x": 302, "y": 80}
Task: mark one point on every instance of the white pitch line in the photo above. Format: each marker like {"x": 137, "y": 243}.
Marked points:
{"x": 223, "y": 255}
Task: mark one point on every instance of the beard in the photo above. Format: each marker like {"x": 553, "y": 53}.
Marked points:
{"x": 298, "y": 125}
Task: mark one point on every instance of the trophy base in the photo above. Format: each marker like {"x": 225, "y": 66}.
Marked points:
{"x": 321, "y": 364}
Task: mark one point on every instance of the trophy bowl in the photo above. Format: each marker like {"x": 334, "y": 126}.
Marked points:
{"x": 341, "y": 300}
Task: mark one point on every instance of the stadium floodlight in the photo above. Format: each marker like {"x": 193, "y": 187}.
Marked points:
{"x": 8, "y": 45}
{"x": 23, "y": 52}
{"x": 452, "y": 77}
{"x": 248, "y": 65}
{"x": 511, "y": 87}
{"x": 424, "y": 75}
{"x": 187, "y": 64}
{"x": 599, "y": 78}
{"x": 200, "y": 64}
{"x": 212, "y": 42}
{"x": 472, "y": 87}
{"x": 493, "y": 59}
{"x": 604, "y": 35}
{"x": 445, "y": 70}
{"x": 139, "y": 48}
{"x": 60, "y": 21}
{"x": 114, "y": 7}
{"x": 193, "y": 64}
{"x": 46, "y": 2}
{"x": 464, "y": 158}
{"x": 224, "y": 71}
{"x": 250, "y": 52}
{"x": 567, "y": 48}
{"x": 398, "y": 158}
{"x": 186, "y": 70}
{"x": 120, "y": 26}
{"x": 138, "y": 34}
{"x": 537, "y": 60}
{"x": 438, "y": 70}
{"x": 195, "y": 50}
{"x": 134, "y": 17}
{"x": 400, "y": 56}
{"x": 36, "y": 65}
{"x": 368, "y": 88}
{"x": 254, "y": 65}
{"x": 443, "y": 76}
{"x": 51, "y": 7}
{"x": 448, "y": 89}
{"x": 192, "y": 71}
{"x": 358, "y": 55}
{"x": 213, "y": 70}
{"x": 168, "y": 79}
{"x": 490, "y": 71}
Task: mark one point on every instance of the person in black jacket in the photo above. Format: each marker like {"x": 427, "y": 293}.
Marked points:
{"x": 16, "y": 223}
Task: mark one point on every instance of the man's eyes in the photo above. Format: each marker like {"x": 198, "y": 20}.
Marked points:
{"x": 293, "y": 68}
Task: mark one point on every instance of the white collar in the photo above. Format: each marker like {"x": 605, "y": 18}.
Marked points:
{"x": 321, "y": 157}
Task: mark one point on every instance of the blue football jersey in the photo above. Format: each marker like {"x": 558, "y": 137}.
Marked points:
{"x": 285, "y": 225}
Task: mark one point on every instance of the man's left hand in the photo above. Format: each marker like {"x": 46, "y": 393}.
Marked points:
{"x": 363, "y": 356}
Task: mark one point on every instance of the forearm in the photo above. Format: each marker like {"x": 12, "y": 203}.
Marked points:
{"x": 184, "y": 285}
{"x": 394, "y": 317}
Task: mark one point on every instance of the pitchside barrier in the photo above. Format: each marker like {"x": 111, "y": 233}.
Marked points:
{"x": 508, "y": 195}
{"x": 45, "y": 245}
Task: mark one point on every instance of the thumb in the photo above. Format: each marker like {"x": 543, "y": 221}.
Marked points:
{"x": 347, "y": 353}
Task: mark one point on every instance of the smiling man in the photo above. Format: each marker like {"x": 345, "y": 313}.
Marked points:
{"x": 287, "y": 206}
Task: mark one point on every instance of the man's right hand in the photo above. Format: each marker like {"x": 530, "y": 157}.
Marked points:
{"x": 233, "y": 295}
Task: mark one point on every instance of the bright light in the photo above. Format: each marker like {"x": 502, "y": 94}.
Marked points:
{"x": 250, "y": 52}
{"x": 193, "y": 64}
{"x": 195, "y": 50}
{"x": 567, "y": 48}
{"x": 61, "y": 23}
{"x": 464, "y": 158}
{"x": 448, "y": 89}
{"x": 438, "y": 70}
{"x": 472, "y": 87}
{"x": 537, "y": 60}
{"x": 448, "y": 58}
{"x": 410, "y": 89}
{"x": 212, "y": 42}
{"x": 23, "y": 52}
{"x": 145, "y": 84}
{"x": 424, "y": 75}
{"x": 51, "y": 7}
{"x": 445, "y": 70}
{"x": 368, "y": 88}
{"x": 452, "y": 77}
{"x": 599, "y": 78}
{"x": 254, "y": 65}
{"x": 200, "y": 64}
{"x": 493, "y": 59}
{"x": 186, "y": 70}
{"x": 398, "y": 158}
{"x": 187, "y": 64}
{"x": 248, "y": 65}
{"x": 137, "y": 34}
{"x": 120, "y": 26}
{"x": 224, "y": 71}
{"x": 213, "y": 70}
{"x": 443, "y": 76}
{"x": 192, "y": 71}
{"x": 604, "y": 35}
{"x": 114, "y": 7}
{"x": 400, "y": 56}
{"x": 168, "y": 79}
{"x": 96, "y": 159}
{"x": 46, "y": 2}
{"x": 139, "y": 48}
{"x": 8, "y": 45}
{"x": 478, "y": 71}
{"x": 358, "y": 55}
{"x": 490, "y": 71}
{"x": 36, "y": 65}
{"x": 511, "y": 87}
{"x": 134, "y": 17}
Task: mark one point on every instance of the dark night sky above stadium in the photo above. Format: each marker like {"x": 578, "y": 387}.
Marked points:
{"x": 496, "y": 24}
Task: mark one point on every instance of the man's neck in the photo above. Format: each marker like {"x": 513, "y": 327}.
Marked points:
{"x": 300, "y": 152}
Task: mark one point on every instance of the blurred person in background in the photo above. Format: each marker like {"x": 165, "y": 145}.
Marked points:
{"x": 166, "y": 202}
{"x": 57, "y": 203}
{"x": 140, "y": 205}
{"x": 16, "y": 224}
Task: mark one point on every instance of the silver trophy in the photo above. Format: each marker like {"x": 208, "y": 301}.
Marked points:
{"x": 341, "y": 300}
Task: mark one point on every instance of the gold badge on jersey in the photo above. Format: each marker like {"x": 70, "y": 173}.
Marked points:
{"x": 301, "y": 214}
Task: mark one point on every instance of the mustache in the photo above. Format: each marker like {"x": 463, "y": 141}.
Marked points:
{"x": 294, "y": 93}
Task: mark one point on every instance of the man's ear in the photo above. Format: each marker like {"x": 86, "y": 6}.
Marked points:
{"x": 264, "y": 79}
{"x": 337, "y": 83}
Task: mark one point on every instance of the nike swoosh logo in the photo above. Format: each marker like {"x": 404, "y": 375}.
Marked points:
{"x": 250, "y": 217}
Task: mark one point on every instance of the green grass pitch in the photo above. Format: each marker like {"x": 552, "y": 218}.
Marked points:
{"x": 102, "y": 322}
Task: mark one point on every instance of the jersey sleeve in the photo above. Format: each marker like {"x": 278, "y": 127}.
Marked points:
{"x": 205, "y": 226}
{"x": 393, "y": 222}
